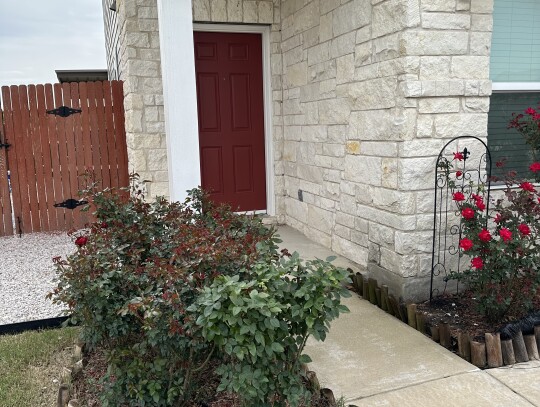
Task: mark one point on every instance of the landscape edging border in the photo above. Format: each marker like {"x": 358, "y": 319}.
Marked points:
{"x": 492, "y": 353}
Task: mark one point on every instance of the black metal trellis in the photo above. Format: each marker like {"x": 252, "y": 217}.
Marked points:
{"x": 469, "y": 173}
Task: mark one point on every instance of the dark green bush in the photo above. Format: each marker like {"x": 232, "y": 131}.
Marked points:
{"x": 135, "y": 282}
{"x": 134, "y": 274}
{"x": 262, "y": 325}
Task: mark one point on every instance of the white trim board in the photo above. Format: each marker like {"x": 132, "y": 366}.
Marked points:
{"x": 267, "y": 95}
{"x": 179, "y": 96}
{"x": 515, "y": 87}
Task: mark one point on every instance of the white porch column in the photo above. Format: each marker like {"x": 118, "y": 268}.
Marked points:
{"x": 179, "y": 94}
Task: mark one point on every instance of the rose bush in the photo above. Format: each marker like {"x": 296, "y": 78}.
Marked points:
{"x": 528, "y": 125}
{"x": 502, "y": 245}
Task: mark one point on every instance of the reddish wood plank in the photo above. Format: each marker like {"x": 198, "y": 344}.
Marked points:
{"x": 63, "y": 154}
{"x": 46, "y": 158}
{"x": 71, "y": 169}
{"x": 85, "y": 124}
{"x": 28, "y": 149}
{"x": 94, "y": 136}
{"x": 102, "y": 135}
{"x": 35, "y": 137}
{"x": 6, "y": 228}
{"x": 21, "y": 211}
{"x": 13, "y": 160}
{"x": 110, "y": 134}
{"x": 120, "y": 132}
{"x": 57, "y": 196}
{"x": 78, "y": 159}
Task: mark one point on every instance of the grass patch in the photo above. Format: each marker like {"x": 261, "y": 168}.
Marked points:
{"x": 30, "y": 363}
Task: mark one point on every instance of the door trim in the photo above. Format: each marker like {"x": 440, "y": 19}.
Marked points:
{"x": 267, "y": 97}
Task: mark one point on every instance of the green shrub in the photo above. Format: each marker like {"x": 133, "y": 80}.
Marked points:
{"x": 262, "y": 325}
{"x": 134, "y": 274}
{"x": 139, "y": 278}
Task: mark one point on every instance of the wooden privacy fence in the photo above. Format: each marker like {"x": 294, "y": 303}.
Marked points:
{"x": 51, "y": 135}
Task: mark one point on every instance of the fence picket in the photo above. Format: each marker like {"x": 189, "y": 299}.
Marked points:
{"x": 6, "y": 223}
{"x": 119, "y": 125}
{"x": 58, "y": 213}
{"x": 110, "y": 135}
{"x": 47, "y": 178}
{"x": 35, "y": 138}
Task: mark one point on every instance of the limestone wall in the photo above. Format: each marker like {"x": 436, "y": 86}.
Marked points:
{"x": 140, "y": 69}
{"x": 371, "y": 91}
{"x": 364, "y": 95}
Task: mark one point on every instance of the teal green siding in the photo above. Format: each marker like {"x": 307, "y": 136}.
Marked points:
{"x": 515, "y": 48}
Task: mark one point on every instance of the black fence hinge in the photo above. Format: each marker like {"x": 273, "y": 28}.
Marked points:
{"x": 70, "y": 203}
{"x": 63, "y": 111}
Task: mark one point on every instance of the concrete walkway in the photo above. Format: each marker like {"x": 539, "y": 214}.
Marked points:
{"x": 372, "y": 359}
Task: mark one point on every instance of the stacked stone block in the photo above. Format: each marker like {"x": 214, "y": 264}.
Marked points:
{"x": 371, "y": 92}
{"x": 140, "y": 69}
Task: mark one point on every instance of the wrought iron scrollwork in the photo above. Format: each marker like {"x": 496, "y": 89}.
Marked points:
{"x": 468, "y": 172}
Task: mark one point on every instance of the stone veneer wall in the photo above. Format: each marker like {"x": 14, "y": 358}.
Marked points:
{"x": 372, "y": 89}
{"x": 365, "y": 93}
{"x": 140, "y": 69}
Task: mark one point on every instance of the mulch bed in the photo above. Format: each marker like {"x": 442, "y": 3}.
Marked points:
{"x": 87, "y": 387}
{"x": 459, "y": 311}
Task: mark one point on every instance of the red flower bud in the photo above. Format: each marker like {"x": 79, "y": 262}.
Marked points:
{"x": 505, "y": 234}
{"x": 468, "y": 213}
{"x": 535, "y": 167}
{"x": 466, "y": 244}
{"x": 524, "y": 229}
{"x": 527, "y": 186}
{"x": 81, "y": 241}
{"x": 484, "y": 235}
{"x": 477, "y": 263}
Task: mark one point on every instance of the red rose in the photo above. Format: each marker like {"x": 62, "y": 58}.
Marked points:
{"x": 480, "y": 204}
{"x": 530, "y": 111}
{"x": 458, "y": 196}
{"x": 458, "y": 174}
{"x": 535, "y": 167}
{"x": 81, "y": 241}
{"x": 484, "y": 235}
{"x": 498, "y": 218}
{"x": 527, "y": 186}
{"x": 468, "y": 213}
{"x": 524, "y": 229}
{"x": 466, "y": 244}
{"x": 505, "y": 234}
{"x": 458, "y": 156}
{"x": 477, "y": 263}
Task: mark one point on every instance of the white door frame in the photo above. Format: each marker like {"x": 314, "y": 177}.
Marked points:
{"x": 267, "y": 96}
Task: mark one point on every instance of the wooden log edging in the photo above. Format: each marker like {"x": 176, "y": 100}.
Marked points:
{"x": 492, "y": 353}
{"x": 68, "y": 374}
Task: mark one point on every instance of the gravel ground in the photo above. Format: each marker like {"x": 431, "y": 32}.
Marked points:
{"x": 27, "y": 274}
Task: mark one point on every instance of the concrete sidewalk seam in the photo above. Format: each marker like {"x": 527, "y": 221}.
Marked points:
{"x": 414, "y": 385}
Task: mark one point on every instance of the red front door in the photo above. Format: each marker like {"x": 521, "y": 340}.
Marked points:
{"x": 231, "y": 118}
